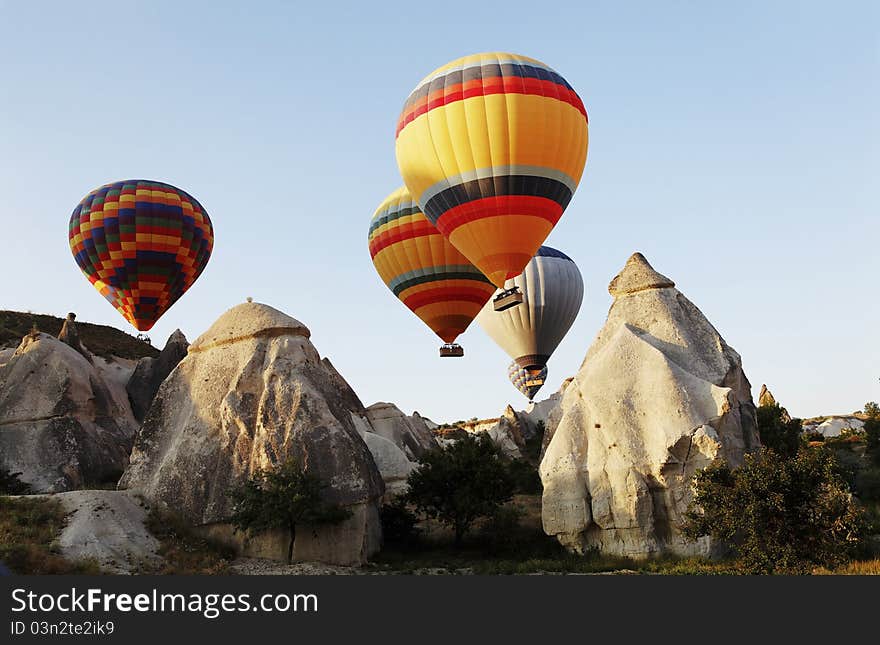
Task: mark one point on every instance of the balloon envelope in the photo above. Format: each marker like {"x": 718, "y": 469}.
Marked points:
{"x": 423, "y": 269}
{"x": 492, "y": 146}
{"x": 527, "y": 381}
{"x": 552, "y": 290}
{"x": 141, "y": 244}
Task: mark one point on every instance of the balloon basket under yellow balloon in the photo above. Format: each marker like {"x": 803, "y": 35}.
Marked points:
{"x": 507, "y": 299}
{"x": 451, "y": 351}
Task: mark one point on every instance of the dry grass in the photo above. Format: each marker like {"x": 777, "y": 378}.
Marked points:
{"x": 102, "y": 340}
{"x": 184, "y": 551}
{"x": 29, "y": 528}
{"x": 854, "y": 568}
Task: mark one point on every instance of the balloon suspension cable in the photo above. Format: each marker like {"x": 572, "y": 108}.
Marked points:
{"x": 507, "y": 299}
{"x": 451, "y": 350}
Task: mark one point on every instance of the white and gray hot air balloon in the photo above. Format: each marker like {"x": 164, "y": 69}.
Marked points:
{"x": 552, "y": 290}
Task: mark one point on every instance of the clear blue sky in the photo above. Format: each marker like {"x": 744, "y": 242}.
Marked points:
{"x": 734, "y": 144}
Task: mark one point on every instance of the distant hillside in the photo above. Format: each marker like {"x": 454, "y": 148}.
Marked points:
{"x": 100, "y": 339}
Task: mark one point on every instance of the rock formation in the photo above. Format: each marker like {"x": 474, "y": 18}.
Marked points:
{"x": 70, "y": 336}
{"x": 63, "y": 423}
{"x": 659, "y": 396}
{"x": 150, "y": 372}
{"x": 392, "y": 462}
{"x": 766, "y": 398}
{"x": 108, "y": 526}
{"x": 834, "y": 426}
{"x": 252, "y": 393}
{"x": 548, "y": 412}
{"x": 410, "y": 433}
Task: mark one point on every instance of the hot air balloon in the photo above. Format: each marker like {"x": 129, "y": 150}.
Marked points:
{"x": 553, "y": 290}
{"x": 141, "y": 244}
{"x": 425, "y": 271}
{"x": 493, "y": 146}
{"x": 526, "y": 381}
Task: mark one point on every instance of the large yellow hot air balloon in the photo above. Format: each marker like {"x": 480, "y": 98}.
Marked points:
{"x": 425, "y": 271}
{"x": 492, "y": 146}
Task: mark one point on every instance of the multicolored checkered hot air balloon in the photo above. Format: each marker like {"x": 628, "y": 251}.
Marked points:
{"x": 528, "y": 382}
{"x": 492, "y": 146}
{"x": 141, "y": 244}
{"x": 424, "y": 270}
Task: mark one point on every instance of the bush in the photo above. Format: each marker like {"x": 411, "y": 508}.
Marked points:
{"x": 283, "y": 498}
{"x": 867, "y": 484}
{"x": 184, "y": 551}
{"x": 399, "y": 524}
{"x": 778, "y": 514}
{"x": 526, "y": 480}
{"x": 458, "y": 483}
{"x": 778, "y": 433}
{"x": 872, "y": 432}
{"x": 501, "y": 531}
{"x": 532, "y": 450}
{"x": 11, "y": 484}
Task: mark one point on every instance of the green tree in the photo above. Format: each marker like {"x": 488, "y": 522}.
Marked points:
{"x": 283, "y": 498}
{"x": 872, "y": 432}
{"x": 11, "y": 484}
{"x": 778, "y": 514}
{"x": 460, "y": 482}
{"x": 779, "y": 432}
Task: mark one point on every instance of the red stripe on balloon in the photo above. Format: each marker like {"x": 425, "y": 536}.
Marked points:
{"x": 447, "y": 294}
{"x": 498, "y": 206}
{"x": 487, "y": 87}
{"x": 400, "y": 233}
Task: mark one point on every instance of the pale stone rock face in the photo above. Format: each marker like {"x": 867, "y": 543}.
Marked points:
{"x": 392, "y": 463}
{"x": 659, "y": 396}
{"x": 835, "y": 426}
{"x": 108, "y": 527}
{"x": 409, "y": 433}
{"x": 549, "y": 412}
{"x": 62, "y": 423}
{"x": 252, "y": 393}
{"x": 150, "y": 372}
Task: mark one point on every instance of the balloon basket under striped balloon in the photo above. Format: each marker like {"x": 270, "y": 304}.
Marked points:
{"x": 453, "y": 350}
{"x": 507, "y": 299}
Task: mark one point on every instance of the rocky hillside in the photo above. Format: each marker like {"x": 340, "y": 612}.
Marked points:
{"x": 102, "y": 340}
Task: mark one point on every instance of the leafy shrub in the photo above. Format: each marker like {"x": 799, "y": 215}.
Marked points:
{"x": 780, "y": 435}
{"x": 283, "y": 498}
{"x": 399, "y": 524}
{"x": 11, "y": 484}
{"x": 460, "y": 482}
{"x": 532, "y": 450}
{"x": 779, "y": 514}
{"x": 526, "y": 479}
{"x": 501, "y": 530}
{"x": 872, "y": 432}
{"x": 867, "y": 484}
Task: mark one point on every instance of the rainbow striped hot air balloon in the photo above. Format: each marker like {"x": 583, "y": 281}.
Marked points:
{"x": 141, "y": 244}
{"x": 492, "y": 146}
{"x": 424, "y": 270}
